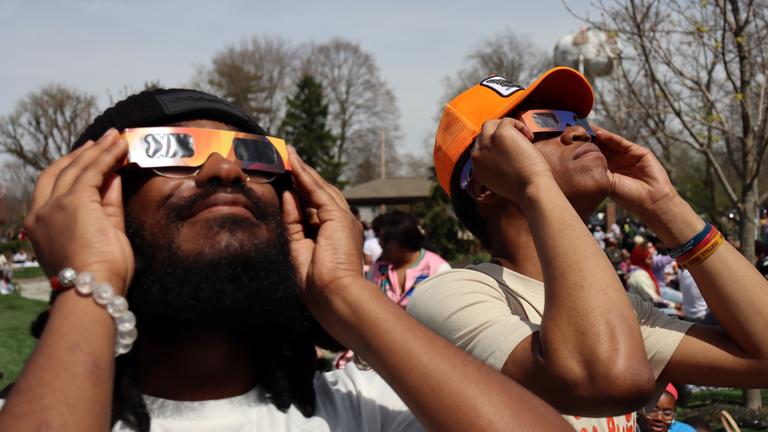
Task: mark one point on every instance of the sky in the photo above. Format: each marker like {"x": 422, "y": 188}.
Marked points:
{"x": 106, "y": 47}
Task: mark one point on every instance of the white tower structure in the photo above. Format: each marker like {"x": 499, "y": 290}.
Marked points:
{"x": 592, "y": 52}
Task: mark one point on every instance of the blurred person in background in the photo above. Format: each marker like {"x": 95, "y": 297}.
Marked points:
{"x": 694, "y": 306}
{"x": 404, "y": 263}
{"x": 660, "y": 417}
{"x": 371, "y": 246}
{"x": 642, "y": 281}
{"x": 761, "y": 257}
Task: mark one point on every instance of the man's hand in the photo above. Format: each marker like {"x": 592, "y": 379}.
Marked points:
{"x": 332, "y": 261}
{"x": 76, "y": 217}
{"x": 638, "y": 181}
{"x": 505, "y": 161}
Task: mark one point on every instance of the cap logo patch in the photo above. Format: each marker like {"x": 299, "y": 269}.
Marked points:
{"x": 501, "y": 85}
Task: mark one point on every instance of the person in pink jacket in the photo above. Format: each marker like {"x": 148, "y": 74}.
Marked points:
{"x": 404, "y": 263}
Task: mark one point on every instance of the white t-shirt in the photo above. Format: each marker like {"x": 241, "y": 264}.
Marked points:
{"x": 694, "y": 305}
{"x": 487, "y": 310}
{"x": 347, "y": 400}
{"x": 372, "y": 248}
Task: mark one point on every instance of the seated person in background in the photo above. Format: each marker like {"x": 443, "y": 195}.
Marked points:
{"x": 694, "y": 306}
{"x": 403, "y": 263}
{"x": 612, "y": 251}
{"x": 664, "y": 267}
{"x": 20, "y": 257}
{"x": 524, "y": 170}
{"x": 643, "y": 282}
{"x": 660, "y": 417}
{"x": 761, "y": 257}
{"x": 371, "y": 246}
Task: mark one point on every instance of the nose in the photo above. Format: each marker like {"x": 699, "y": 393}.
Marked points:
{"x": 575, "y": 134}
{"x": 218, "y": 171}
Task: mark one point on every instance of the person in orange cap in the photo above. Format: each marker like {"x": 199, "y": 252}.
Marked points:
{"x": 524, "y": 169}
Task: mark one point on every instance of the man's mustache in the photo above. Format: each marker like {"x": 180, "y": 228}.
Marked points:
{"x": 181, "y": 208}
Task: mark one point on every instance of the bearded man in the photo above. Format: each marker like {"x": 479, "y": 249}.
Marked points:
{"x": 180, "y": 201}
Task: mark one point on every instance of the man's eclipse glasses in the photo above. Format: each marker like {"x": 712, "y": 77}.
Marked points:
{"x": 541, "y": 122}
{"x": 180, "y": 151}
{"x": 548, "y": 121}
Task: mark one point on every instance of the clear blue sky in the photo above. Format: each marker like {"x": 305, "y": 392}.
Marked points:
{"x": 104, "y": 46}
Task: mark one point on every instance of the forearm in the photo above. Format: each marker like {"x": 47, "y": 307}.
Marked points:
{"x": 580, "y": 286}
{"x": 734, "y": 290}
{"x": 444, "y": 387}
{"x": 67, "y": 382}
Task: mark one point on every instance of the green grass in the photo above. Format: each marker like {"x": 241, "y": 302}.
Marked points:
{"x": 707, "y": 404}
{"x": 16, "y": 314}
{"x": 720, "y": 395}
{"x": 28, "y": 273}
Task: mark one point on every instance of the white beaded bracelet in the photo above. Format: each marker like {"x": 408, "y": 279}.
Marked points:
{"x": 104, "y": 295}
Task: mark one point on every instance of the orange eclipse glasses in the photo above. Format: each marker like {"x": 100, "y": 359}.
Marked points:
{"x": 181, "y": 151}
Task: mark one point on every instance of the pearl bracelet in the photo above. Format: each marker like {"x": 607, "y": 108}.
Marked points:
{"x": 104, "y": 295}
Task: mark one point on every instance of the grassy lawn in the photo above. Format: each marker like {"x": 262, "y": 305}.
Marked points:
{"x": 16, "y": 314}
{"x": 708, "y": 404}
{"x": 28, "y": 273}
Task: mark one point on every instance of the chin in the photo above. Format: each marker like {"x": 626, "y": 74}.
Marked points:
{"x": 224, "y": 237}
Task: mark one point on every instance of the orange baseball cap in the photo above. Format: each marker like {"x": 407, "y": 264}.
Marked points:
{"x": 494, "y": 97}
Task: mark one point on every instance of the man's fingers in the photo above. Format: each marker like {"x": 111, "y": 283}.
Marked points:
{"x": 47, "y": 179}
{"x": 487, "y": 130}
{"x": 112, "y": 200}
{"x": 93, "y": 175}
{"x": 523, "y": 129}
{"x": 291, "y": 216}
{"x": 611, "y": 141}
{"x": 310, "y": 187}
{"x": 333, "y": 191}
{"x": 82, "y": 162}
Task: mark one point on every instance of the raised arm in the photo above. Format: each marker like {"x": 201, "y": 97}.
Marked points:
{"x": 76, "y": 220}
{"x": 589, "y": 343}
{"x": 737, "y": 294}
{"x": 445, "y": 388}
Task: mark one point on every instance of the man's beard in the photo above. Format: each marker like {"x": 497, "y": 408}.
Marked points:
{"x": 245, "y": 286}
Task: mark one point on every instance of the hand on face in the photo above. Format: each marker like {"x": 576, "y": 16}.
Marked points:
{"x": 333, "y": 258}
{"x": 638, "y": 181}
{"x": 504, "y": 160}
{"x": 76, "y": 217}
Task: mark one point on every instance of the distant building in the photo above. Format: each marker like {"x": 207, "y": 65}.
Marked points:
{"x": 381, "y": 195}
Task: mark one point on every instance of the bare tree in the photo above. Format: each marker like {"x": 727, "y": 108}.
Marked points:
{"x": 17, "y": 181}
{"x": 506, "y": 54}
{"x": 363, "y": 111}
{"x": 44, "y": 124}
{"x": 696, "y": 74}
{"x": 256, "y": 76}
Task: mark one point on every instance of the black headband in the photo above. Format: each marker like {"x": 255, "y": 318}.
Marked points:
{"x": 166, "y": 106}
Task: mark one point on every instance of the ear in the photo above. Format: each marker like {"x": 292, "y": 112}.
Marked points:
{"x": 481, "y": 194}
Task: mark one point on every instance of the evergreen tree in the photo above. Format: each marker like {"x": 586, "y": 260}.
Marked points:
{"x": 305, "y": 127}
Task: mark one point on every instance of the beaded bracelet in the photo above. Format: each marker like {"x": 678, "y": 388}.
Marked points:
{"x": 104, "y": 295}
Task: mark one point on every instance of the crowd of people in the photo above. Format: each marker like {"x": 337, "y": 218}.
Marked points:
{"x": 197, "y": 265}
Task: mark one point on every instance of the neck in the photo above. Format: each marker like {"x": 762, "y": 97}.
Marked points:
{"x": 194, "y": 366}
{"x": 406, "y": 259}
{"x": 512, "y": 242}
{"x": 514, "y": 248}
